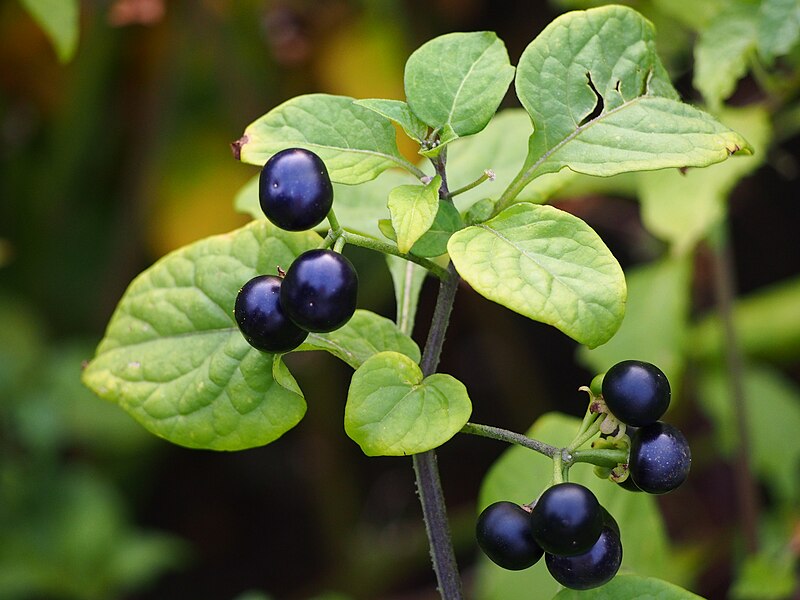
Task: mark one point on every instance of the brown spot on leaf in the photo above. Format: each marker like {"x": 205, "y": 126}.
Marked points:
{"x": 236, "y": 147}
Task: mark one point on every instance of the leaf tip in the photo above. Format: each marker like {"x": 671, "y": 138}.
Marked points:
{"x": 236, "y": 147}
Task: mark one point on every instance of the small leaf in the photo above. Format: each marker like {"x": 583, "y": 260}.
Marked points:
{"x": 630, "y": 586}
{"x": 683, "y": 208}
{"x": 355, "y": 143}
{"x": 363, "y": 336}
{"x": 457, "y": 81}
{"x": 413, "y": 209}
{"x": 656, "y": 321}
{"x": 173, "y": 357}
{"x": 59, "y": 19}
{"x": 602, "y": 103}
{"x": 722, "y": 51}
{"x": 393, "y": 411}
{"x": 545, "y": 264}
{"x": 434, "y": 241}
{"x": 399, "y": 112}
{"x": 407, "y": 278}
{"x": 778, "y": 27}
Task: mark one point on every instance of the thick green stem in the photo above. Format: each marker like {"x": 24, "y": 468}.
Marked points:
{"x": 379, "y": 246}
{"x": 429, "y": 485}
{"x": 603, "y": 457}
{"x": 510, "y": 437}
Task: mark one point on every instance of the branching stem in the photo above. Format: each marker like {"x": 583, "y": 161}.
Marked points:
{"x": 510, "y": 437}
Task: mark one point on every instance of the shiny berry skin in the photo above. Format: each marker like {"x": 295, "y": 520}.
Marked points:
{"x": 504, "y": 534}
{"x": 567, "y": 519}
{"x": 660, "y": 458}
{"x": 261, "y": 318}
{"x": 636, "y": 392}
{"x": 294, "y": 189}
{"x": 592, "y": 568}
{"x": 320, "y": 290}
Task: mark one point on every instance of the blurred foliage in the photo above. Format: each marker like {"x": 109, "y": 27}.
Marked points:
{"x": 121, "y": 154}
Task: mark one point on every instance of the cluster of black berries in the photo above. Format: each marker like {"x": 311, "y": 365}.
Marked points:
{"x": 637, "y": 393}
{"x": 578, "y": 537}
{"x": 318, "y": 292}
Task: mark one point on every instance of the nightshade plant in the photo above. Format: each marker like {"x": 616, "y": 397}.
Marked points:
{"x": 596, "y": 100}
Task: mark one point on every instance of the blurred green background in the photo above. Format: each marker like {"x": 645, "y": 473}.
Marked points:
{"x": 113, "y": 156}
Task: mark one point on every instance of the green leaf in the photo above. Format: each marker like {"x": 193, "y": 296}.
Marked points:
{"x": 173, "y": 357}
{"x": 407, "y": 278}
{"x": 59, "y": 19}
{"x": 456, "y": 81}
{"x": 545, "y": 264}
{"x": 767, "y": 325}
{"x": 630, "y": 587}
{"x": 682, "y": 208}
{"x": 520, "y": 475}
{"x": 602, "y": 103}
{"x": 246, "y": 200}
{"x": 399, "y": 112}
{"x": 434, "y": 241}
{"x": 413, "y": 208}
{"x": 393, "y": 411}
{"x": 772, "y": 405}
{"x": 766, "y": 577}
{"x": 778, "y": 27}
{"x": 722, "y": 51}
{"x": 355, "y": 143}
{"x": 656, "y": 321}
{"x": 363, "y": 336}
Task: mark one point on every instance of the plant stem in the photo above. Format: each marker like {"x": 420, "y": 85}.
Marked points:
{"x": 487, "y": 174}
{"x": 724, "y": 288}
{"x": 586, "y": 434}
{"x": 603, "y": 457}
{"x": 510, "y": 437}
{"x": 379, "y": 246}
{"x": 439, "y": 164}
{"x": 429, "y": 485}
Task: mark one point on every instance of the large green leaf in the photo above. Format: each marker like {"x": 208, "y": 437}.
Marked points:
{"x": 173, "y": 357}
{"x": 392, "y": 410}
{"x": 413, "y": 209}
{"x": 767, "y": 325}
{"x": 520, "y": 475}
{"x": 682, "y": 208}
{"x": 722, "y": 52}
{"x": 772, "y": 405}
{"x": 656, "y": 321}
{"x": 545, "y": 264}
{"x": 602, "y": 103}
{"x": 455, "y": 82}
{"x": 778, "y": 27}
{"x": 363, "y": 336}
{"x": 355, "y": 143}
{"x": 59, "y": 19}
{"x": 631, "y": 587}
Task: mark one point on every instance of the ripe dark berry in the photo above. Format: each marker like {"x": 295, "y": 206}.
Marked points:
{"x": 636, "y": 392}
{"x": 504, "y": 534}
{"x": 567, "y": 519}
{"x": 261, "y": 318}
{"x": 295, "y": 190}
{"x": 320, "y": 290}
{"x": 594, "y": 567}
{"x": 660, "y": 458}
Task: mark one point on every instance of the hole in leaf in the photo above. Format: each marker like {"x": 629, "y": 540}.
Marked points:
{"x": 598, "y": 107}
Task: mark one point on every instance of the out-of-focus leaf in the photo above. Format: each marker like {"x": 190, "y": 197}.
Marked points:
{"x": 722, "y": 52}
{"x": 407, "y": 278}
{"x": 59, "y": 19}
{"x": 655, "y": 324}
{"x": 767, "y": 325}
{"x": 765, "y": 577}
{"x": 778, "y": 27}
{"x": 628, "y": 587}
{"x": 683, "y": 208}
{"x": 772, "y": 406}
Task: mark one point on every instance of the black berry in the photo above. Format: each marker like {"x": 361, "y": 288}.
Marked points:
{"x": 320, "y": 290}
{"x": 636, "y": 392}
{"x": 660, "y": 458}
{"x": 261, "y": 318}
{"x": 567, "y": 519}
{"x": 295, "y": 190}
{"x": 592, "y": 568}
{"x": 504, "y": 534}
